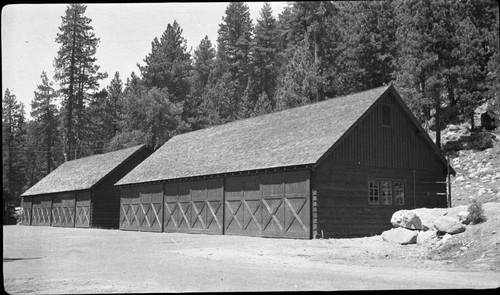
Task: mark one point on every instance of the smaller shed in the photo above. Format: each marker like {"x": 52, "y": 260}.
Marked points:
{"x": 81, "y": 193}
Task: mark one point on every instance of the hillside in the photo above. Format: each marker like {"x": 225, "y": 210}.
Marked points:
{"x": 477, "y": 176}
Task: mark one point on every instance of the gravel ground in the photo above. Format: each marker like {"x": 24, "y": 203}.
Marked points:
{"x": 45, "y": 260}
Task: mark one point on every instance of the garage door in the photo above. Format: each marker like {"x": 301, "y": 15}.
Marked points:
{"x": 27, "y": 204}
{"x": 63, "y": 210}
{"x": 41, "y": 210}
{"x": 82, "y": 218}
{"x": 194, "y": 207}
{"x": 243, "y": 206}
{"x": 141, "y": 208}
{"x": 270, "y": 205}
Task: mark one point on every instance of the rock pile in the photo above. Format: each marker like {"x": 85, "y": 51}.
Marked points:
{"x": 426, "y": 226}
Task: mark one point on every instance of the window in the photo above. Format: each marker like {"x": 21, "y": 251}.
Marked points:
{"x": 399, "y": 193}
{"x": 373, "y": 192}
{"x": 386, "y": 115}
{"x": 382, "y": 191}
{"x": 386, "y": 192}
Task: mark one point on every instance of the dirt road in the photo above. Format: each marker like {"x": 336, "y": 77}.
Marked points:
{"x": 68, "y": 260}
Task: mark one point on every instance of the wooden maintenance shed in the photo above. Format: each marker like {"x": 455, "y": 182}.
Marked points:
{"x": 336, "y": 168}
{"x": 81, "y": 193}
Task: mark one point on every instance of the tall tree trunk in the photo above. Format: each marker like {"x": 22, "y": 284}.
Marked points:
{"x": 317, "y": 61}
{"x": 69, "y": 107}
{"x": 437, "y": 119}
{"x": 49, "y": 152}
{"x": 472, "y": 125}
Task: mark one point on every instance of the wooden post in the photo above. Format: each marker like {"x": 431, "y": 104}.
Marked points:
{"x": 74, "y": 211}
{"x": 448, "y": 180}
{"x": 223, "y": 205}
{"x": 414, "y": 195}
{"x": 162, "y": 206}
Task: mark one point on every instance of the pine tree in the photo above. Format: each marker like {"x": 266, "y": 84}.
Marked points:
{"x": 45, "y": 114}
{"x": 233, "y": 53}
{"x": 163, "y": 118}
{"x": 418, "y": 78}
{"x": 105, "y": 113}
{"x": 264, "y": 59}
{"x": 203, "y": 65}
{"x": 312, "y": 20}
{"x": 112, "y": 106}
{"x": 444, "y": 50}
{"x": 168, "y": 65}
{"x": 13, "y": 139}
{"x": 369, "y": 45}
{"x": 77, "y": 73}
{"x": 130, "y": 117}
{"x": 263, "y": 105}
{"x": 473, "y": 55}
{"x": 204, "y": 56}
{"x": 35, "y": 154}
{"x": 300, "y": 79}
{"x": 218, "y": 104}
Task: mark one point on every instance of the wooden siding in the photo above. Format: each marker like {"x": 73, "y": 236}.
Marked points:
{"x": 141, "y": 208}
{"x": 27, "y": 207}
{"x": 398, "y": 146}
{"x": 372, "y": 151}
{"x": 83, "y": 208}
{"x": 63, "y": 209}
{"x": 342, "y": 199}
{"x": 194, "y": 206}
{"x": 105, "y": 206}
{"x": 41, "y": 210}
{"x": 105, "y": 197}
{"x": 268, "y": 204}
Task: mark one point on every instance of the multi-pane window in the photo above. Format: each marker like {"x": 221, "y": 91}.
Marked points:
{"x": 386, "y": 192}
{"x": 399, "y": 193}
{"x": 382, "y": 192}
{"x": 373, "y": 192}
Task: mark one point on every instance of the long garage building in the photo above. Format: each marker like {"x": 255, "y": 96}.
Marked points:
{"x": 336, "y": 168}
{"x": 81, "y": 193}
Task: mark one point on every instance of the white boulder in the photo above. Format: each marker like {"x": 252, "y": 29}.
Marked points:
{"x": 425, "y": 237}
{"x": 449, "y": 225}
{"x": 400, "y": 235}
{"x": 419, "y": 219}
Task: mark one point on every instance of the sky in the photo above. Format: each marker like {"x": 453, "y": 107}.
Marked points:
{"x": 125, "y": 32}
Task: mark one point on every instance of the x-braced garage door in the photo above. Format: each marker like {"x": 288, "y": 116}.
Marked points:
{"x": 194, "y": 206}
{"x": 271, "y": 205}
{"x": 27, "y": 204}
{"x": 41, "y": 210}
{"x": 141, "y": 208}
{"x": 63, "y": 209}
{"x": 82, "y": 218}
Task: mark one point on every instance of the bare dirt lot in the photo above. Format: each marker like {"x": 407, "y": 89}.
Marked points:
{"x": 41, "y": 260}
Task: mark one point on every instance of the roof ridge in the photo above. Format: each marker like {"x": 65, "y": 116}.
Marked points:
{"x": 106, "y": 153}
{"x": 82, "y": 173}
{"x": 282, "y": 111}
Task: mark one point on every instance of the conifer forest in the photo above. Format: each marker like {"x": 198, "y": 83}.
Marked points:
{"x": 441, "y": 55}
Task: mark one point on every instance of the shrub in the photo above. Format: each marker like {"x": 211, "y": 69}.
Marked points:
{"x": 476, "y": 212}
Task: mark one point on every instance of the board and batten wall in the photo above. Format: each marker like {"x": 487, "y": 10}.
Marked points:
{"x": 374, "y": 152}
{"x": 105, "y": 197}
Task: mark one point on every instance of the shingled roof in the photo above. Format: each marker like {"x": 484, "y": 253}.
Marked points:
{"x": 293, "y": 137}
{"x": 81, "y": 174}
